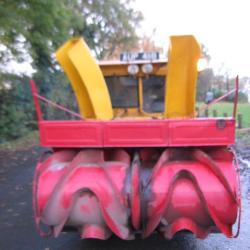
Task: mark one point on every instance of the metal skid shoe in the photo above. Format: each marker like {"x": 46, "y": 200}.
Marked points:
{"x": 104, "y": 192}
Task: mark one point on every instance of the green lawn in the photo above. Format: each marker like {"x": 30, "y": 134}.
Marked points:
{"x": 227, "y": 107}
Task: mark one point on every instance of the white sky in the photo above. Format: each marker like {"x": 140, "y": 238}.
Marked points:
{"x": 223, "y": 26}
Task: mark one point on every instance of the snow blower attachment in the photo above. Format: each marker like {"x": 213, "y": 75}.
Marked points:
{"x": 139, "y": 160}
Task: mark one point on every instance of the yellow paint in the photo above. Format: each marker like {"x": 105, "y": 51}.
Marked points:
{"x": 140, "y": 91}
{"x": 121, "y": 69}
{"x": 182, "y": 73}
{"x": 86, "y": 79}
{"x": 135, "y": 113}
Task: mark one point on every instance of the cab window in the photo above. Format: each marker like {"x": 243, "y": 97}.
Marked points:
{"x": 153, "y": 94}
{"x": 123, "y": 91}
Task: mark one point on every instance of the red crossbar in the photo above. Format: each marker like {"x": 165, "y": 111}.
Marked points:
{"x": 57, "y": 105}
{"x": 38, "y": 97}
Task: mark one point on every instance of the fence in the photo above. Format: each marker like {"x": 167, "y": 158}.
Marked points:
{"x": 214, "y": 113}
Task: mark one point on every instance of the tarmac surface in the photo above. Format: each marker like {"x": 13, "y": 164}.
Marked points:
{"x": 18, "y": 229}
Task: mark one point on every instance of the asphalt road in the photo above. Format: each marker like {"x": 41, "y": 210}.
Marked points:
{"x": 17, "y": 229}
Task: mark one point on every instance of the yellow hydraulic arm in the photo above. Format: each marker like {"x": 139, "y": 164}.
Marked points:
{"x": 86, "y": 79}
{"x": 180, "y": 92}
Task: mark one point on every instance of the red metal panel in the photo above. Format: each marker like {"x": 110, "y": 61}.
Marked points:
{"x": 102, "y": 192}
{"x": 201, "y": 132}
{"x": 89, "y": 198}
{"x": 136, "y": 133}
{"x": 70, "y": 134}
{"x": 194, "y": 195}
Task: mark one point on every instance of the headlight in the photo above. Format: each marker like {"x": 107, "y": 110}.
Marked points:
{"x": 133, "y": 69}
{"x": 147, "y": 68}
{"x": 202, "y": 64}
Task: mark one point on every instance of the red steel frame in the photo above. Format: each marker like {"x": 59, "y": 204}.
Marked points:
{"x": 198, "y": 192}
{"x": 134, "y": 133}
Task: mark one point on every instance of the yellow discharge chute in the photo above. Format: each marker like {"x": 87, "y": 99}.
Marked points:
{"x": 86, "y": 79}
{"x": 184, "y": 53}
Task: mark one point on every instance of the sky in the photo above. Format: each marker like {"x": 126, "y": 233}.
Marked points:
{"x": 223, "y": 26}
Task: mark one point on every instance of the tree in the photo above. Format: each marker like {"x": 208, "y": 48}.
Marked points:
{"x": 144, "y": 44}
{"x": 35, "y": 29}
{"x": 107, "y": 25}
{"x": 206, "y": 76}
{"x": 39, "y": 27}
{"x": 205, "y": 80}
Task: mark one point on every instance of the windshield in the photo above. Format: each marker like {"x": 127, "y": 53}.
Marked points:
{"x": 123, "y": 91}
{"x": 153, "y": 94}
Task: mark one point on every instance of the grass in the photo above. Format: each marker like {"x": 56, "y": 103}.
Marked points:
{"x": 29, "y": 140}
{"x": 227, "y": 107}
